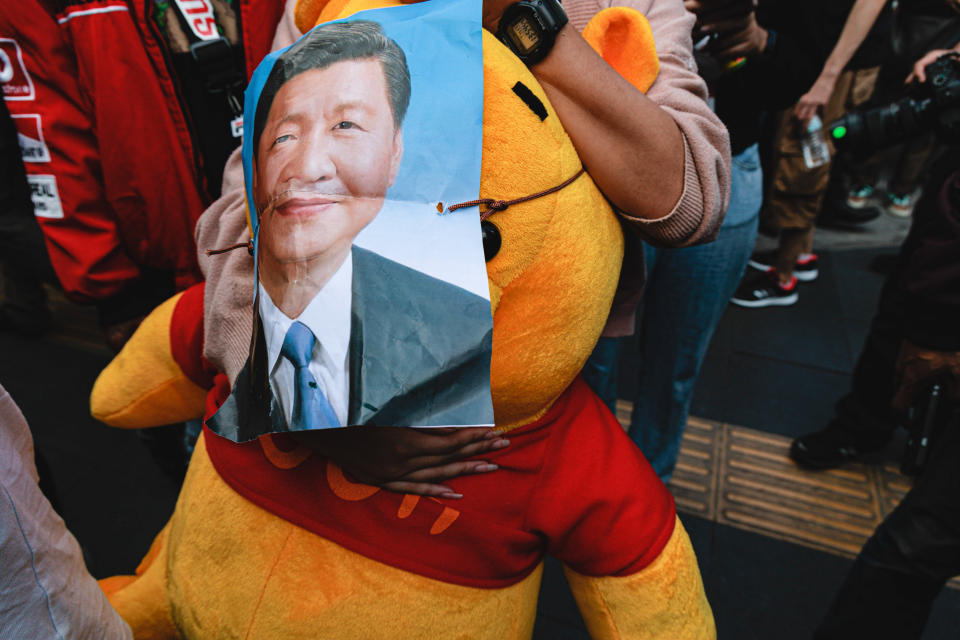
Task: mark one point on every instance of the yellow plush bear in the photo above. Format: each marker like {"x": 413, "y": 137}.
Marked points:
{"x": 270, "y": 539}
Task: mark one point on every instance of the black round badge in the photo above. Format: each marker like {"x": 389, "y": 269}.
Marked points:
{"x": 491, "y": 239}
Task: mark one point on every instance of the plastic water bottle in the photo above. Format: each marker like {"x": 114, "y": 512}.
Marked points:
{"x": 816, "y": 153}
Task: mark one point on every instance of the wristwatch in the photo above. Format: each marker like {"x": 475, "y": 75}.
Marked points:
{"x": 529, "y": 28}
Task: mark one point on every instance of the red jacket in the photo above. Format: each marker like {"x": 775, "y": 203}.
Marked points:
{"x": 108, "y": 146}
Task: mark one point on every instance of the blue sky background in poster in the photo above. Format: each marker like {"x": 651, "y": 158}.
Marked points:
{"x": 442, "y": 136}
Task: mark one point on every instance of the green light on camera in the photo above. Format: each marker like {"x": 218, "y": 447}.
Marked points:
{"x": 839, "y": 132}
{"x": 736, "y": 63}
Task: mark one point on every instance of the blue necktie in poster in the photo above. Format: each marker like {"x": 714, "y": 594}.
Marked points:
{"x": 372, "y": 305}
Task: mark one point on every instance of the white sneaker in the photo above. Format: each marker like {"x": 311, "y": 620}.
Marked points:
{"x": 860, "y": 197}
{"x": 901, "y": 206}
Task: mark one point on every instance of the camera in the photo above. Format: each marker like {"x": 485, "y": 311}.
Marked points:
{"x": 933, "y": 104}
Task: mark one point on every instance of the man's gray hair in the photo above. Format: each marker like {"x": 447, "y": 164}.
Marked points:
{"x": 337, "y": 42}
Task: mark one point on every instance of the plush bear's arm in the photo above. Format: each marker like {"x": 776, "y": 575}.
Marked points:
{"x": 607, "y": 516}
{"x": 160, "y": 376}
{"x": 141, "y": 600}
{"x": 664, "y": 601}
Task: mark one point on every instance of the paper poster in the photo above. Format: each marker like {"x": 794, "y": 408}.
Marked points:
{"x": 372, "y": 305}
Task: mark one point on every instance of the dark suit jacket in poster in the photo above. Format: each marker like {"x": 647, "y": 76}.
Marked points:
{"x": 419, "y": 356}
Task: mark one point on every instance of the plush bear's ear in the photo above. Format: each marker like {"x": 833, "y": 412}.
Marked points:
{"x": 622, "y": 36}
{"x": 307, "y": 11}
{"x": 310, "y": 13}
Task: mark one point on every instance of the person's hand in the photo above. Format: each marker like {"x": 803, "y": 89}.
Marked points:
{"x": 916, "y": 367}
{"x": 735, "y": 37}
{"x": 919, "y": 72}
{"x": 407, "y": 460}
{"x": 814, "y": 100}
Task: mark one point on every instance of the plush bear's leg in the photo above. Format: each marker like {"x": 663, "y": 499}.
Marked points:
{"x": 664, "y": 601}
{"x": 142, "y": 600}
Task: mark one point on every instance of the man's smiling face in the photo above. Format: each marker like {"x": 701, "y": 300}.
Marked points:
{"x": 328, "y": 153}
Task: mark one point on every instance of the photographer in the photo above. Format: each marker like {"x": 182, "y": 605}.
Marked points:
{"x": 902, "y": 567}
{"x": 914, "y": 340}
{"x": 916, "y": 304}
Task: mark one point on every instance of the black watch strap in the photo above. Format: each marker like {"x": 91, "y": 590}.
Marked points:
{"x": 530, "y": 27}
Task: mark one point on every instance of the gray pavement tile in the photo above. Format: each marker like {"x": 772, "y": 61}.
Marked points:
{"x": 761, "y": 588}
{"x": 700, "y": 531}
{"x": 807, "y": 333}
{"x": 556, "y": 602}
{"x": 547, "y": 628}
{"x": 944, "y": 616}
{"x": 859, "y": 289}
{"x": 780, "y": 396}
{"x": 711, "y": 395}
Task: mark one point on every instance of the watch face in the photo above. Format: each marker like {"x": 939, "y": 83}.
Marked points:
{"x": 524, "y": 33}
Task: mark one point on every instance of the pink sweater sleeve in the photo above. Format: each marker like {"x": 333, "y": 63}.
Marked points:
{"x": 682, "y": 93}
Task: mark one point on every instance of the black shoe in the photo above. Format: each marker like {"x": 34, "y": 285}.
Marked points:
{"x": 839, "y": 215}
{"x": 805, "y": 270}
{"x": 764, "y": 290}
{"x": 830, "y": 448}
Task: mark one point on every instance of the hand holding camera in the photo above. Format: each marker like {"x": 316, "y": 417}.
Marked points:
{"x": 932, "y": 104}
{"x": 919, "y": 73}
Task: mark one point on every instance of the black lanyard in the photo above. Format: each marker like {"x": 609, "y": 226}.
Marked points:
{"x": 213, "y": 56}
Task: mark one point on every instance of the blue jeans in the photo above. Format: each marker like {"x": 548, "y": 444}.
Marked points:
{"x": 686, "y": 293}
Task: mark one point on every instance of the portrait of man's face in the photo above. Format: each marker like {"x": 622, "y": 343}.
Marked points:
{"x": 370, "y": 305}
{"x": 329, "y": 151}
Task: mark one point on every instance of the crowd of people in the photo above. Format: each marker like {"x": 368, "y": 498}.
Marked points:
{"x": 766, "y": 116}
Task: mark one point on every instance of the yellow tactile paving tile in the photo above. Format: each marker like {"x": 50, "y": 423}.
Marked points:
{"x": 694, "y": 481}
{"x": 762, "y": 490}
{"x": 744, "y": 478}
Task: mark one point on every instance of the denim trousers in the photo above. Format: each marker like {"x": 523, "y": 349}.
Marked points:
{"x": 686, "y": 293}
